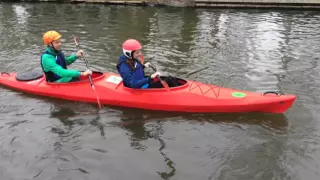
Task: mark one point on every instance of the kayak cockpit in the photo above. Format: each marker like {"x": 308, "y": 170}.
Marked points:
{"x": 174, "y": 83}
{"x": 95, "y": 75}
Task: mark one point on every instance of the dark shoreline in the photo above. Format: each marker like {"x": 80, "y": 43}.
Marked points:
{"x": 252, "y": 4}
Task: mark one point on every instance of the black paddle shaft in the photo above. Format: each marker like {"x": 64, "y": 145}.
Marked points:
{"x": 85, "y": 59}
{"x": 154, "y": 68}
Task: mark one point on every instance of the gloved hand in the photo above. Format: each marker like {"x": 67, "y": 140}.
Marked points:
{"x": 147, "y": 64}
{"x": 79, "y": 53}
{"x": 86, "y": 73}
{"x": 156, "y": 74}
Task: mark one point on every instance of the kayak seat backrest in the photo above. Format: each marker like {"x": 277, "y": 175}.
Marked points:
{"x": 29, "y": 75}
{"x": 181, "y": 82}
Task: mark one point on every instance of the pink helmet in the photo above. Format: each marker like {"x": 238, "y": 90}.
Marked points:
{"x": 129, "y": 46}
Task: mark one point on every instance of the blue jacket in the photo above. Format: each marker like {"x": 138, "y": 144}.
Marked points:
{"x": 132, "y": 78}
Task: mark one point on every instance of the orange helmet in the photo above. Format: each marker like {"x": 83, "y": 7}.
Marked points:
{"x": 50, "y": 36}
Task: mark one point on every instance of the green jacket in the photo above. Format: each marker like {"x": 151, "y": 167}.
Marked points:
{"x": 49, "y": 64}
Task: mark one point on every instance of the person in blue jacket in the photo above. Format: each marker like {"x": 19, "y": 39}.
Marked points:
{"x": 131, "y": 68}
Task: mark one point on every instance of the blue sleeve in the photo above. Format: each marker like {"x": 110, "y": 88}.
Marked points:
{"x": 130, "y": 79}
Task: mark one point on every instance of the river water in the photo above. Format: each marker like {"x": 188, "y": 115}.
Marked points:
{"x": 256, "y": 50}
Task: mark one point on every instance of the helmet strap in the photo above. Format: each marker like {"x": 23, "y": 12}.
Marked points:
{"x": 132, "y": 55}
{"x": 54, "y": 49}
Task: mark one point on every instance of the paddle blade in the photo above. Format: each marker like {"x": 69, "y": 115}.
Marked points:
{"x": 98, "y": 100}
{"x": 75, "y": 40}
{"x": 164, "y": 84}
{"x": 99, "y": 104}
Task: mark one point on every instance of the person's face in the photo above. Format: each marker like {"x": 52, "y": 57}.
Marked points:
{"x": 137, "y": 54}
{"x": 57, "y": 44}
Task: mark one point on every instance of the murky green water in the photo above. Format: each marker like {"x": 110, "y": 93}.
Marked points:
{"x": 258, "y": 50}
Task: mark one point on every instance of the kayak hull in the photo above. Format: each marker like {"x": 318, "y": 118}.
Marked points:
{"x": 190, "y": 96}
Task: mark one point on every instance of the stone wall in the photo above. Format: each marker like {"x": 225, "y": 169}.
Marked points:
{"x": 201, "y": 3}
{"x": 179, "y": 3}
{"x": 310, "y": 4}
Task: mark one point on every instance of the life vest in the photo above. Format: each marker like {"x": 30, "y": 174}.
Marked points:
{"x": 137, "y": 72}
{"x": 60, "y": 60}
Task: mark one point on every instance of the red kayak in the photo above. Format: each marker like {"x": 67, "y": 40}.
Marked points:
{"x": 189, "y": 96}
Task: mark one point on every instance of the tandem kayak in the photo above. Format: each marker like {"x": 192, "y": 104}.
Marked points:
{"x": 189, "y": 96}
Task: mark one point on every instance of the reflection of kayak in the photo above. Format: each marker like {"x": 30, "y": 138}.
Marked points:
{"x": 190, "y": 96}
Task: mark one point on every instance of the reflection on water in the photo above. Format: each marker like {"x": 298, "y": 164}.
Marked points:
{"x": 144, "y": 125}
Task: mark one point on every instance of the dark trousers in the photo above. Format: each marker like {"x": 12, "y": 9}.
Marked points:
{"x": 172, "y": 82}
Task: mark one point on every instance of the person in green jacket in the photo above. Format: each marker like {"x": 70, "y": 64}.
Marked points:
{"x": 54, "y": 63}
